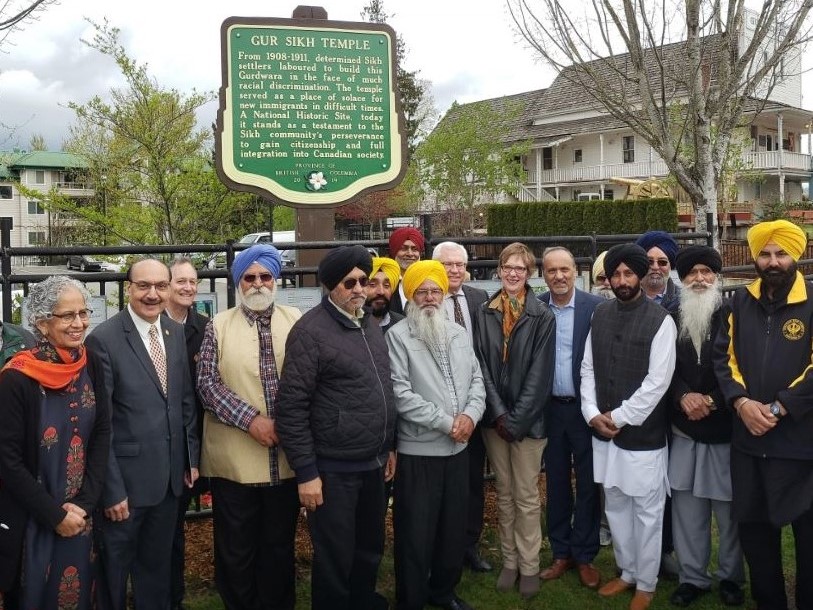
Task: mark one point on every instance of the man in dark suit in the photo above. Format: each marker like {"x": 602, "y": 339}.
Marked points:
{"x": 573, "y": 523}
{"x": 461, "y": 304}
{"x": 183, "y": 288}
{"x": 146, "y": 378}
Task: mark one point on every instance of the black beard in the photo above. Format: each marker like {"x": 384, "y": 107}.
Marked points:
{"x": 626, "y": 293}
{"x": 379, "y": 307}
{"x": 777, "y": 279}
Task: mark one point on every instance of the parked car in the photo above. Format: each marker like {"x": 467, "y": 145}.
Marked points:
{"x": 83, "y": 262}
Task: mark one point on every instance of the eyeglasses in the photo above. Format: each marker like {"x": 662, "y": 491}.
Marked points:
{"x": 350, "y": 283}
{"x": 250, "y": 278}
{"x": 69, "y": 316}
{"x": 147, "y": 286}
{"x": 511, "y": 268}
{"x": 422, "y": 293}
{"x": 454, "y": 265}
{"x": 660, "y": 262}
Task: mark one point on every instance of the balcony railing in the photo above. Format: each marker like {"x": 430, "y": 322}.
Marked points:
{"x": 644, "y": 169}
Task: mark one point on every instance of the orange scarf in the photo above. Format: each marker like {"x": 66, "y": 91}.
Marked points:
{"x": 512, "y": 308}
{"x": 52, "y": 367}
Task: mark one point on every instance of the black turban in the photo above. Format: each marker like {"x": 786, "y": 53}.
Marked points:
{"x": 632, "y": 255}
{"x": 341, "y": 261}
{"x": 690, "y": 256}
{"x": 662, "y": 240}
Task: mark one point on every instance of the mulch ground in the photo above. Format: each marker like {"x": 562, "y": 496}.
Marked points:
{"x": 200, "y": 551}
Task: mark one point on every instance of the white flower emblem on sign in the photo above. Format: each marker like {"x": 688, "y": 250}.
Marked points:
{"x": 316, "y": 180}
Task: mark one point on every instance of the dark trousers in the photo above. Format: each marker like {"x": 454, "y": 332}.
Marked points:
{"x": 477, "y": 497}
{"x": 254, "y": 532}
{"x": 573, "y": 520}
{"x": 431, "y": 495}
{"x": 139, "y": 548}
{"x": 178, "y": 589}
{"x": 762, "y": 545}
{"x": 347, "y": 533}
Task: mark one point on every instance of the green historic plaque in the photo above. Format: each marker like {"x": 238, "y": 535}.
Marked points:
{"x": 308, "y": 109}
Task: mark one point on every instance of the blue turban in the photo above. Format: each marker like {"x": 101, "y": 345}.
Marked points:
{"x": 265, "y": 254}
{"x": 662, "y": 240}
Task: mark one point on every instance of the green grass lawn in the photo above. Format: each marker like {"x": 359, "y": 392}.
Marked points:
{"x": 479, "y": 591}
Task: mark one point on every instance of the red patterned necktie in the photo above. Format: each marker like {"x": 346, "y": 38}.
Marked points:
{"x": 159, "y": 359}
{"x": 458, "y": 311}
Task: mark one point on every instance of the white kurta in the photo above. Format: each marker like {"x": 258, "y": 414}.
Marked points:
{"x": 635, "y": 482}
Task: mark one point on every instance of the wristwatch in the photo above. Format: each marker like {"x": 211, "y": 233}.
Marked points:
{"x": 776, "y": 410}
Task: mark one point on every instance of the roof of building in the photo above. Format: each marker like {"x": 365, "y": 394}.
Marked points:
{"x": 39, "y": 159}
{"x": 569, "y": 94}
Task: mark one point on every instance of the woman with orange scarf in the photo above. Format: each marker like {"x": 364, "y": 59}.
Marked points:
{"x": 54, "y": 445}
{"x": 516, "y": 341}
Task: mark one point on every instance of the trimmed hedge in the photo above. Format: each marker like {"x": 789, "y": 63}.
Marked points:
{"x": 554, "y": 218}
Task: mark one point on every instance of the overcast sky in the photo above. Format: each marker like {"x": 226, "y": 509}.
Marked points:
{"x": 468, "y": 50}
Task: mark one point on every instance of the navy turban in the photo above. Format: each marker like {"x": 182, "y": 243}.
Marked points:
{"x": 662, "y": 240}
{"x": 341, "y": 261}
{"x": 265, "y": 254}
{"x": 632, "y": 255}
{"x": 697, "y": 255}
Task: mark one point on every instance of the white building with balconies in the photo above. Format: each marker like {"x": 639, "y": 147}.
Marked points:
{"x": 577, "y": 148}
{"x": 40, "y": 171}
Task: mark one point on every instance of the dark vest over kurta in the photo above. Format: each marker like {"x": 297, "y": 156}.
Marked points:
{"x": 622, "y": 335}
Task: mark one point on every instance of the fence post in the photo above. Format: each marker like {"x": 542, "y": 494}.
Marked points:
{"x": 426, "y": 227}
{"x": 6, "y": 225}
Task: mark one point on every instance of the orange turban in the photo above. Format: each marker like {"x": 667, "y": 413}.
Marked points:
{"x": 788, "y": 236}
{"x": 389, "y": 267}
{"x": 417, "y": 273}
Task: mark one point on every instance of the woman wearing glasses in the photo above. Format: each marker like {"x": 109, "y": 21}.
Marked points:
{"x": 54, "y": 443}
{"x": 515, "y": 340}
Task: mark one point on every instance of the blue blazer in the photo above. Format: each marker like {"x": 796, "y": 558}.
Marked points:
{"x": 150, "y": 430}
{"x": 584, "y": 303}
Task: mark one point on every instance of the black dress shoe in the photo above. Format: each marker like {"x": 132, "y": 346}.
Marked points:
{"x": 473, "y": 561}
{"x": 455, "y": 604}
{"x": 731, "y": 593}
{"x": 685, "y": 594}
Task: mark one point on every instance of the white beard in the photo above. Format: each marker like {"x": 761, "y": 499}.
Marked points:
{"x": 602, "y": 291}
{"x": 696, "y": 310}
{"x": 429, "y": 324}
{"x": 258, "y": 299}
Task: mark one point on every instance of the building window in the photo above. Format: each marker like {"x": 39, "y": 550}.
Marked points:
{"x": 36, "y": 238}
{"x": 39, "y": 177}
{"x": 628, "y": 149}
{"x": 609, "y": 195}
{"x": 547, "y": 158}
{"x": 34, "y": 207}
{"x": 577, "y": 155}
{"x": 5, "y": 192}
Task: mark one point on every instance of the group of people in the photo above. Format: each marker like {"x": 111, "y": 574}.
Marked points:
{"x": 399, "y": 383}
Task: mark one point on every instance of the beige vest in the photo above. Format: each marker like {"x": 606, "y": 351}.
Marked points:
{"x": 228, "y": 452}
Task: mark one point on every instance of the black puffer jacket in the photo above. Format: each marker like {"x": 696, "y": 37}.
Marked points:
{"x": 521, "y": 386}
{"x": 336, "y": 409}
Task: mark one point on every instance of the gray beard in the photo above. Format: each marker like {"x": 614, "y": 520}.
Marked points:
{"x": 696, "y": 310}
{"x": 258, "y": 300}
{"x": 653, "y": 282}
{"x": 601, "y": 291}
{"x": 429, "y": 325}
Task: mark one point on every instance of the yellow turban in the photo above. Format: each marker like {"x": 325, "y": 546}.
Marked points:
{"x": 389, "y": 267}
{"x": 788, "y": 236}
{"x": 598, "y": 266}
{"x": 417, "y": 273}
